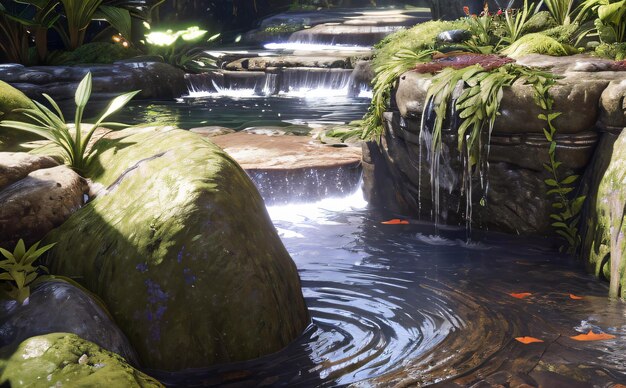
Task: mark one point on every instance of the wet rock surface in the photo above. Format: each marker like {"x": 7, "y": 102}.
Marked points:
{"x": 38, "y": 203}
{"x": 190, "y": 234}
{"x": 154, "y": 79}
{"x": 59, "y": 307}
{"x": 62, "y": 359}
{"x": 17, "y": 165}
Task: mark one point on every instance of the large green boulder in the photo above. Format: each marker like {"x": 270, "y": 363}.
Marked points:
{"x": 62, "y": 359}
{"x": 179, "y": 246}
{"x": 604, "y": 222}
{"x": 11, "y": 99}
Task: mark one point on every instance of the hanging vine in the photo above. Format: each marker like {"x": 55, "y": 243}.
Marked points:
{"x": 477, "y": 107}
{"x": 566, "y": 214}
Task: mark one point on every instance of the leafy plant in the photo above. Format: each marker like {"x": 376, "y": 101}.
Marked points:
{"x": 515, "y": 23}
{"x": 178, "y": 48}
{"x": 13, "y": 37}
{"x": 19, "y": 269}
{"x": 383, "y": 83}
{"x": 52, "y": 126}
{"x": 566, "y": 214}
{"x": 561, "y": 10}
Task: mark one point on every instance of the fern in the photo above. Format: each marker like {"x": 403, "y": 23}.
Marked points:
{"x": 535, "y": 43}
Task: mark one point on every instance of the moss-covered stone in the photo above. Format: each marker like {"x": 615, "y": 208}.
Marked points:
{"x": 62, "y": 359}
{"x": 181, "y": 249}
{"x": 11, "y": 99}
{"x": 604, "y": 230}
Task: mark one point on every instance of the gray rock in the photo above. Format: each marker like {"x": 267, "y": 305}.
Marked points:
{"x": 33, "y": 206}
{"x": 411, "y": 93}
{"x": 613, "y": 105}
{"x": 17, "y": 165}
{"x": 211, "y": 131}
{"x": 454, "y": 36}
{"x": 57, "y": 306}
{"x": 361, "y": 77}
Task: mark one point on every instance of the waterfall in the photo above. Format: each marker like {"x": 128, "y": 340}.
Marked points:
{"x": 299, "y": 82}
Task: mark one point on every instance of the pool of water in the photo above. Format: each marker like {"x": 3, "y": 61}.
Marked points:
{"x": 244, "y": 111}
{"x": 411, "y": 304}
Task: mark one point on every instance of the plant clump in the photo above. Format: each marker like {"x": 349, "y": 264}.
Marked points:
{"x": 18, "y": 270}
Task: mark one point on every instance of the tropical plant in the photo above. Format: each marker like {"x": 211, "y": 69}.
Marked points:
{"x": 74, "y": 145}
{"x": 179, "y": 48}
{"x": 515, "y": 22}
{"x": 19, "y": 270}
{"x": 13, "y": 37}
{"x": 45, "y": 17}
{"x": 561, "y": 10}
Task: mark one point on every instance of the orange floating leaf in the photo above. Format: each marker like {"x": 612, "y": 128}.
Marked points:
{"x": 575, "y": 297}
{"x": 395, "y": 221}
{"x": 618, "y": 386}
{"x": 591, "y": 336}
{"x": 528, "y": 340}
{"x": 520, "y": 295}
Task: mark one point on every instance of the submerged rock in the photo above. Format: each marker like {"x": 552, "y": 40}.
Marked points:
{"x": 59, "y": 307}
{"x": 42, "y": 201}
{"x": 181, "y": 249}
{"x": 62, "y": 359}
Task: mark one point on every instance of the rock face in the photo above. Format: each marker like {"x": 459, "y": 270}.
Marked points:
{"x": 59, "y": 307}
{"x": 604, "y": 217}
{"x": 62, "y": 359}
{"x": 17, "y": 165}
{"x": 589, "y": 97}
{"x": 38, "y": 203}
{"x": 180, "y": 248}
{"x": 294, "y": 168}
{"x": 154, "y": 79}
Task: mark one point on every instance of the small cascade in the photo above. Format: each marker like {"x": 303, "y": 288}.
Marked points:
{"x": 297, "y": 82}
{"x": 320, "y": 82}
{"x": 279, "y": 187}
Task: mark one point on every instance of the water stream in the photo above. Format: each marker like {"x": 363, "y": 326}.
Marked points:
{"x": 394, "y": 300}
{"x": 402, "y": 304}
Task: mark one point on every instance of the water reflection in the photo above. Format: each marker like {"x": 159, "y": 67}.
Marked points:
{"x": 240, "y": 113}
{"x": 402, "y": 304}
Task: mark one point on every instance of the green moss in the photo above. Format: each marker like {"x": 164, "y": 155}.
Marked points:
{"x": 68, "y": 360}
{"x": 417, "y": 38}
{"x": 10, "y": 99}
{"x": 536, "y": 43}
{"x": 180, "y": 248}
{"x": 616, "y": 51}
{"x": 609, "y": 218}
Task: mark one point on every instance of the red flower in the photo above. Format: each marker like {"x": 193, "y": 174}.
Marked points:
{"x": 466, "y": 10}
{"x": 499, "y": 12}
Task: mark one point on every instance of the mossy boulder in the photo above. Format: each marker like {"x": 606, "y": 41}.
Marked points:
{"x": 62, "y": 359}
{"x": 11, "y": 99}
{"x": 604, "y": 228}
{"x": 179, "y": 246}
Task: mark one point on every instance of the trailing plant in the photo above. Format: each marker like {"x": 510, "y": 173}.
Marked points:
{"x": 566, "y": 215}
{"x": 384, "y": 81}
{"x": 19, "y": 271}
{"x": 74, "y": 145}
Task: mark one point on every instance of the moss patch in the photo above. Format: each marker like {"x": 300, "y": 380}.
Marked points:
{"x": 68, "y": 360}
{"x": 10, "y": 99}
{"x": 181, "y": 249}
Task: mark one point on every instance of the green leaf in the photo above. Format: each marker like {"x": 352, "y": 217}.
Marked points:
{"x": 551, "y": 182}
{"x": 559, "y": 225}
{"x": 83, "y": 92}
{"x": 569, "y": 179}
{"x": 556, "y": 217}
{"x": 20, "y": 249}
{"x": 116, "y": 104}
{"x": 6, "y": 254}
{"x": 6, "y": 276}
{"x": 577, "y": 204}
